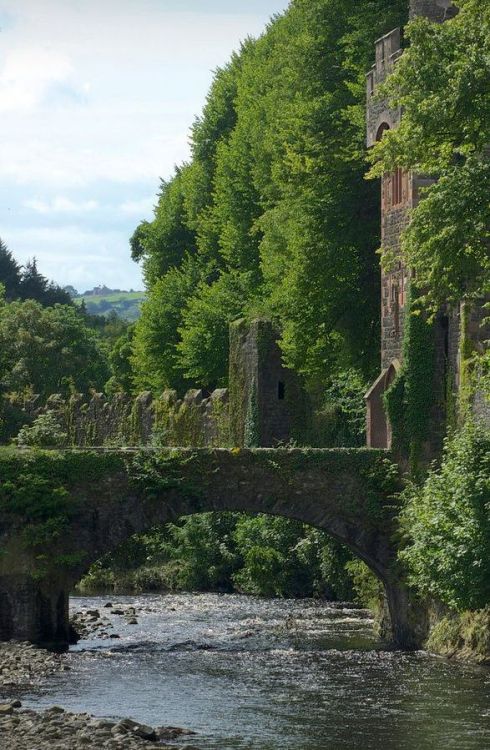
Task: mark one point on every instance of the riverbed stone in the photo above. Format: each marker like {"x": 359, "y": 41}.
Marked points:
{"x": 23, "y": 667}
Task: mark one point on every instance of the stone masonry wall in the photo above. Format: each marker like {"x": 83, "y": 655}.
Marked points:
{"x": 190, "y": 421}
{"x": 268, "y": 406}
{"x": 435, "y": 10}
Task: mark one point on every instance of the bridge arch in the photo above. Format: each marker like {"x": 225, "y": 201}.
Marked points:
{"x": 347, "y": 493}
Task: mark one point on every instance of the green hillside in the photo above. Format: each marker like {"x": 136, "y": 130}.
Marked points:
{"x": 126, "y": 304}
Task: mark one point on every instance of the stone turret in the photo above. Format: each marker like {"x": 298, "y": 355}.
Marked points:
{"x": 435, "y": 10}
{"x": 400, "y": 193}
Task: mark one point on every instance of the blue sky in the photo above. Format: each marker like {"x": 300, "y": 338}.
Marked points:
{"x": 96, "y": 101}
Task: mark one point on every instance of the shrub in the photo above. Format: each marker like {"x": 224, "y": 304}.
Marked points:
{"x": 44, "y": 432}
{"x": 447, "y": 522}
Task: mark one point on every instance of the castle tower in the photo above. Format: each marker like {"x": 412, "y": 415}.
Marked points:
{"x": 268, "y": 406}
{"x": 400, "y": 192}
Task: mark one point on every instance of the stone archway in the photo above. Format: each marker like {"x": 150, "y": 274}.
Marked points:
{"x": 346, "y": 493}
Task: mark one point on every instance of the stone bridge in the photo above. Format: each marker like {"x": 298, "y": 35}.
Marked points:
{"x": 61, "y": 511}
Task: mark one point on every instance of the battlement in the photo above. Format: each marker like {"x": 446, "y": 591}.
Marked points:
{"x": 435, "y": 10}
{"x": 388, "y": 50}
{"x": 266, "y": 405}
{"x": 379, "y": 116}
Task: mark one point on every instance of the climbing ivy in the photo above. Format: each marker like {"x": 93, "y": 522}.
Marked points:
{"x": 410, "y": 398}
{"x": 252, "y": 426}
{"x": 36, "y": 493}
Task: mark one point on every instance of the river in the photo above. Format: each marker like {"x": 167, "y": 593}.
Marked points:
{"x": 255, "y": 674}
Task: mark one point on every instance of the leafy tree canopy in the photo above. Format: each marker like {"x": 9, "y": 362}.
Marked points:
{"x": 273, "y": 208}
{"x": 48, "y": 350}
{"x": 448, "y": 524}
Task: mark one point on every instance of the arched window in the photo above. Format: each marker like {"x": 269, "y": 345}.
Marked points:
{"x": 381, "y": 130}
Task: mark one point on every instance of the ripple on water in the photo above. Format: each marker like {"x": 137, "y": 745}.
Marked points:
{"x": 276, "y": 675}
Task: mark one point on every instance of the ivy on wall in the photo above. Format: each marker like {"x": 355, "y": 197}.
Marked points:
{"x": 410, "y": 398}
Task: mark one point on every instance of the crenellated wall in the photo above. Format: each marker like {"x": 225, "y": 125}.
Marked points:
{"x": 266, "y": 405}
{"x": 121, "y": 420}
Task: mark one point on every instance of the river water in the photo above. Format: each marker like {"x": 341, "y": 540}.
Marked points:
{"x": 255, "y": 674}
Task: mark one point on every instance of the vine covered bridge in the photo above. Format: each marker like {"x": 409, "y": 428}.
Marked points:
{"x": 60, "y": 511}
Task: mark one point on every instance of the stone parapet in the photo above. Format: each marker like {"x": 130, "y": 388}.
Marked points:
{"x": 194, "y": 420}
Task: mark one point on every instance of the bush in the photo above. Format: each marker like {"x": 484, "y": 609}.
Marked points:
{"x": 447, "y": 523}
{"x": 44, "y": 432}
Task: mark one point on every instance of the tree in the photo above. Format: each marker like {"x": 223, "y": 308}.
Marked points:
{"x": 204, "y": 332}
{"x": 48, "y": 350}
{"x": 441, "y": 82}
{"x": 33, "y": 285}
{"x": 164, "y": 242}
{"x": 9, "y": 272}
{"x": 120, "y": 355}
{"x": 154, "y": 354}
{"x": 447, "y": 524}
{"x": 275, "y": 193}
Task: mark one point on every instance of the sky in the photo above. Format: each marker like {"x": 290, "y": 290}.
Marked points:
{"x": 96, "y": 101}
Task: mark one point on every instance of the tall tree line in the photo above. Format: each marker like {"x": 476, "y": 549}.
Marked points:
{"x": 272, "y": 215}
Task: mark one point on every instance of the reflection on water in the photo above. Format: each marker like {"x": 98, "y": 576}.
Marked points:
{"x": 272, "y": 675}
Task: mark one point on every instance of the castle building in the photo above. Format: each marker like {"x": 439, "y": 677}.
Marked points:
{"x": 400, "y": 192}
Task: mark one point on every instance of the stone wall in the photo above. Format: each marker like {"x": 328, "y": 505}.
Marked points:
{"x": 379, "y": 116}
{"x": 435, "y": 10}
{"x": 265, "y": 407}
{"x": 268, "y": 405}
{"x": 475, "y": 339}
{"x": 167, "y": 420}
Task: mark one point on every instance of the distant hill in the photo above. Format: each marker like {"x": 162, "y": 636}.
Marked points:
{"x": 102, "y": 301}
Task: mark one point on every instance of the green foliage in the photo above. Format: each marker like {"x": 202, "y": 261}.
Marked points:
{"x": 44, "y": 432}
{"x": 447, "y": 522}
{"x": 264, "y": 556}
{"x": 367, "y": 588}
{"x": 40, "y": 500}
{"x": 252, "y": 426}
{"x": 466, "y": 635}
{"x": 394, "y": 399}
{"x": 166, "y": 240}
{"x": 48, "y": 350}
{"x": 441, "y": 83}
{"x": 202, "y": 352}
{"x": 154, "y": 356}
{"x": 36, "y": 494}
{"x": 25, "y": 282}
{"x": 120, "y": 364}
{"x": 340, "y": 420}
{"x": 203, "y": 548}
{"x": 10, "y": 273}
{"x": 409, "y": 400}
{"x": 273, "y": 208}
{"x": 285, "y": 558}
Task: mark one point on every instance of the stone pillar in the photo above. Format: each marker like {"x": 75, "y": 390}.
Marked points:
{"x": 35, "y": 611}
{"x": 409, "y": 617}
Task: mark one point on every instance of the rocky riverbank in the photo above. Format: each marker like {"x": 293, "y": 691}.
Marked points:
{"x": 56, "y": 729}
{"x": 23, "y": 667}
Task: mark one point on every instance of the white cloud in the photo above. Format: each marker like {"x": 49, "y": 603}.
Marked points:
{"x": 142, "y": 208}
{"x": 72, "y": 255}
{"x": 60, "y": 205}
{"x": 26, "y": 75}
